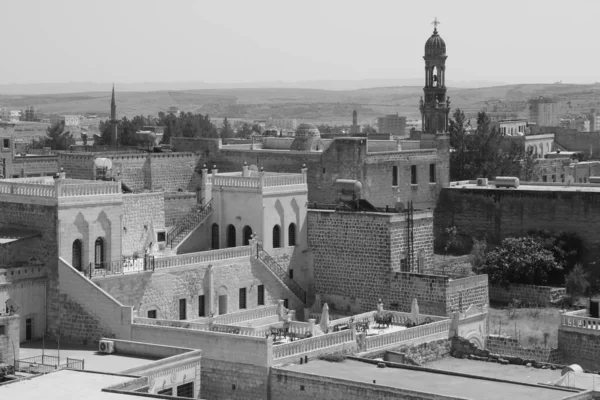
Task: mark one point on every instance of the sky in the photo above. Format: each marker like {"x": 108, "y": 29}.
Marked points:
{"x": 217, "y": 41}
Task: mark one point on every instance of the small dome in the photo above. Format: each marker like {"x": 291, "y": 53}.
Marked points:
{"x": 305, "y": 130}
{"x": 435, "y": 45}
{"x": 308, "y": 138}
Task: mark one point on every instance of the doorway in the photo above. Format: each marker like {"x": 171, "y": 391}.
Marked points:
{"x": 28, "y": 329}
{"x": 223, "y": 304}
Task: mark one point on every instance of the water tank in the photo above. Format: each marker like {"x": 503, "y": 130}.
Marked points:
{"x": 594, "y": 179}
{"x": 103, "y": 163}
{"x": 507, "y": 181}
{"x": 571, "y": 368}
{"x": 349, "y": 186}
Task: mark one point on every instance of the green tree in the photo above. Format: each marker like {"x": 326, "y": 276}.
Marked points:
{"x": 57, "y": 138}
{"x": 244, "y": 131}
{"x": 227, "y": 130}
{"x": 519, "y": 260}
{"x": 368, "y": 129}
{"x": 258, "y": 129}
{"x": 577, "y": 281}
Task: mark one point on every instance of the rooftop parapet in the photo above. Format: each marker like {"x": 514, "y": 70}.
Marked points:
{"x": 261, "y": 181}
{"x": 57, "y": 188}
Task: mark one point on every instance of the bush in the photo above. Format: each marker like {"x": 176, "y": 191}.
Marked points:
{"x": 520, "y": 260}
{"x": 577, "y": 281}
{"x": 333, "y": 357}
{"x": 566, "y": 247}
{"x": 478, "y": 253}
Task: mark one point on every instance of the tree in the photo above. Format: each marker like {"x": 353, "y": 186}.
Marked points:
{"x": 577, "y": 281}
{"x": 227, "y": 130}
{"x": 519, "y": 260}
{"x": 258, "y": 129}
{"x": 368, "y": 129}
{"x": 57, "y": 138}
{"x": 244, "y": 131}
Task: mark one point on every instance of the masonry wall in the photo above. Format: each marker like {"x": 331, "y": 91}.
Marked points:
{"x": 498, "y": 213}
{"x": 421, "y": 353}
{"x": 429, "y": 290}
{"x": 464, "y": 292}
{"x": 177, "y": 205}
{"x": 42, "y": 218}
{"x": 354, "y": 254}
{"x": 579, "y": 346}
{"x": 542, "y": 296}
{"x": 32, "y": 166}
{"x": 508, "y": 346}
{"x": 143, "y": 215}
{"x": 579, "y": 141}
{"x": 87, "y": 313}
{"x": 135, "y": 169}
{"x": 293, "y": 385}
{"x": 77, "y": 165}
{"x": 162, "y": 290}
{"x": 174, "y": 172}
{"x": 9, "y": 340}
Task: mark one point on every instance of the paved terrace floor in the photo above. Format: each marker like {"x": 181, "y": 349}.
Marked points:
{"x": 526, "y": 187}
{"x": 94, "y": 361}
{"x": 440, "y": 384}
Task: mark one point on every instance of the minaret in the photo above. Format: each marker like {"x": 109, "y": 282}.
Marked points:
{"x": 354, "y": 118}
{"x": 113, "y": 118}
{"x": 436, "y": 106}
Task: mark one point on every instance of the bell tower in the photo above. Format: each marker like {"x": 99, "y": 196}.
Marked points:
{"x": 435, "y": 106}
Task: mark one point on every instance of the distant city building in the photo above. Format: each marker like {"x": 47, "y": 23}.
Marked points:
{"x": 174, "y": 110}
{"x": 392, "y": 123}
{"x": 282, "y": 123}
{"x": 29, "y": 113}
{"x": 515, "y": 127}
{"x": 69, "y": 120}
{"x": 10, "y": 115}
{"x": 543, "y": 112}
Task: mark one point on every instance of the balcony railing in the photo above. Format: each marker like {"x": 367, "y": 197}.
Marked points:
{"x": 44, "y": 364}
{"x": 581, "y": 322}
{"x": 312, "y": 344}
{"x": 246, "y": 315}
{"x": 119, "y": 267}
{"x": 188, "y": 221}
{"x": 386, "y": 339}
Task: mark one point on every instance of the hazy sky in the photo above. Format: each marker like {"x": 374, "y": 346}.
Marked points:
{"x": 265, "y": 40}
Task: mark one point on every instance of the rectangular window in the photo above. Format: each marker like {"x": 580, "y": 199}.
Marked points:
{"x": 261, "y": 295}
{"x": 404, "y": 265}
{"x": 182, "y": 309}
{"x": 413, "y": 174}
{"x": 2, "y": 329}
{"x": 562, "y": 177}
{"x": 186, "y": 390}
{"x": 161, "y": 236}
{"x": 201, "y": 306}
{"x": 395, "y": 175}
{"x": 544, "y": 178}
{"x": 432, "y": 173}
{"x": 291, "y": 273}
{"x": 242, "y": 298}
{"x": 553, "y": 178}
{"x": 285, "y": 303}
{"x": 5, "y": 143}
{"x": 152, "y": 314}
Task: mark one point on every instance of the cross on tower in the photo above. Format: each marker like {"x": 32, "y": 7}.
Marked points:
{"x": 435, "y": 23}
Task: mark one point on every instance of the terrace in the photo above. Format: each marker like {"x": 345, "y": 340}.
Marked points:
{"x": 50, "y": 188}
{"x": 580, "y": 319}
{"x": 263, "y": 182}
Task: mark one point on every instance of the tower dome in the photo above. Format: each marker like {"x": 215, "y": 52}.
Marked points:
{"x": 435, "y": 45}
{"x": 308, "y": 138}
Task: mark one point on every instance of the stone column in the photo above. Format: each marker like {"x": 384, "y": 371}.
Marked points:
{"x": 206, "y": 193}
{"x": 311, "y": 326}
{"x": 245, "y": 171}
{"x": 306, "y": 314}
{"x": 209, "y": 289}
{"x": 292, "y": 315}
{"x": 304, "y": 171}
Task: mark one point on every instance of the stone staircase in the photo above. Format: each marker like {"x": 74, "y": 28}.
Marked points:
{"x": 186, "y": 224}
{"x": 280, "y": 273}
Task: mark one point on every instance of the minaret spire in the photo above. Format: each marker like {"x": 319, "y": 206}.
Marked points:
{"x": 113, "y": 118}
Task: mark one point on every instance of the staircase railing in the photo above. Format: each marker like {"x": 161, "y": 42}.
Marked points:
{"x": 191, "y": 219}
{"x": 280, "y": 272}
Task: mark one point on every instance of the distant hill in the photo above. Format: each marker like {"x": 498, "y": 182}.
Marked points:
{"x": 312, "y": 105}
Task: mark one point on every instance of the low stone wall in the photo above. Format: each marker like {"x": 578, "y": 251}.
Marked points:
{"x": 580, "y": 346}
{"x": 542, "y": 296}
{"x": 506, "y": 345}
{"x": 464, "y": 292}
{"x": 420, "y": 353}
{"x": 454, "y": 268}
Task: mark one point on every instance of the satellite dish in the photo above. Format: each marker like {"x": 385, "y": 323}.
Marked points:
{"x": 400, "y": 206}
{"x": 103, "y": 163}
{"x": 12, "y": 306}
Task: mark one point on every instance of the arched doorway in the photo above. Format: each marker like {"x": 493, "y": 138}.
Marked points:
{"x": 276, "y": 236}
{"x": 215, "y": 236}
{"x": 292, "y": 234}
{"x": 230, "y": 236}
{"x": 77, "y": 255}
{"x": 99, "y": 253}
{"x": 247, "y": 235}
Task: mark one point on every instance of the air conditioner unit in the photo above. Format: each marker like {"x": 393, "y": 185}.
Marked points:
{"x": 107, "y": 346}
{"x": 482, "y": 181}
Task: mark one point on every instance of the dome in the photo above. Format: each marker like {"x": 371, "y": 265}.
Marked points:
{"x": 435, "y": 45}
{"x": 308, "y": 138}
{"x": 305, "y": 130}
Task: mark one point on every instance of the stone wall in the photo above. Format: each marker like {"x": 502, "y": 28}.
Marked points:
{"x": 461, "y": 293}
{"x": 580, "y": 346}
{"x": 143, "y": 214}
{"x": 77, "y": 165}
{"x": 579, "y": 141}
{"x": 498, "y": 213}
{"x": 178, "y": 205}
{"x": 454, "y": 267}
{"x": 163, "y": 289}
{"x": 233, "y": 380}
{"x": 542, "y": 296}
{"x": 508, "y": 346}
{"x": 173, "y": 172}
{"x": 43, "y": 219}
{"x": 429, "y": 290}
{"x": 32, "y": 166}
{"x": 9, "y": 338}
{"x": 354, "y": 254}
{"x": 294, "y": 385}
{"x": 421, "y": 353}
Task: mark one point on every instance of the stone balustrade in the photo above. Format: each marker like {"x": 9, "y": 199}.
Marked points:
{"x": 387, "y": 339}
{"x": 259, "y": 181}
{"x": 577, "y": 320}
{"x": 88, "y": 188}
{"x": 246, "y": 315}
{"x": 236, "y": 181}
{"x": 202, "y": 257}
{"x": 45, "y": 188}
{"x": 284, "y": 180}
{"x": 198, "y": 326}
{"x": 314, "y": 343}
{"x": 40, "y": 189}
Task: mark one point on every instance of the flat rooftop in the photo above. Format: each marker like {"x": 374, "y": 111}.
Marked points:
{"x": 66, "y": 385}
{"x": 421, "y": 381}
{"x": 542, "y": 187}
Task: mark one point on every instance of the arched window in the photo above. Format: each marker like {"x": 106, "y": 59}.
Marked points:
{"x": 230, "y": 236}
{"x": 276, "y": 236}
{"x": 292, "y": 234}
{"x": 215, "y": 236}
{"x": 77, "y": 260}
{"x": 99, "y": 253}
{"x": 247, "y": 235}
